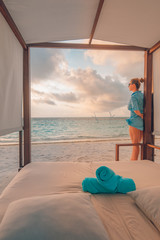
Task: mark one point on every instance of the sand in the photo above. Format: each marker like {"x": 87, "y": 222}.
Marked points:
{"x": 66, "y": 151}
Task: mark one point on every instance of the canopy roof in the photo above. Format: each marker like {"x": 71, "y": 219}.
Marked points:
{"x": 121, "y": 21}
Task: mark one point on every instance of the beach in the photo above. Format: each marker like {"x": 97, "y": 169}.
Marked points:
{"x": 99, "y": 150}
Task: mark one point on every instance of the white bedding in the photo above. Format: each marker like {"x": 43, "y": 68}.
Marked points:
{"x": 68, "y": 216}
{"x": 119, "y": 214}
{"x": 122, "y": 219}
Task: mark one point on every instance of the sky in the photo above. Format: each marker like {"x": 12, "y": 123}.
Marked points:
{"x": 82, "y": 83}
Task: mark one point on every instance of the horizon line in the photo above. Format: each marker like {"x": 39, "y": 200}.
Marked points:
{"x": 84, "y": 117}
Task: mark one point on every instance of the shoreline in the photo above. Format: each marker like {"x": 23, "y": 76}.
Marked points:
{"x": 73, "y": 141}
{"x": 70, "y": 141}
{"x": 112, "y": 139}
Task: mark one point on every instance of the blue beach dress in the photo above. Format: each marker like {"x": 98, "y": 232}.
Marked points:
{"x": 136, "y": 103}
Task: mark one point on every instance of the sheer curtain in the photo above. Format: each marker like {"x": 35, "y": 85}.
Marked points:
{"x": 156, "y": 88}
{"x": 11, "y": 80}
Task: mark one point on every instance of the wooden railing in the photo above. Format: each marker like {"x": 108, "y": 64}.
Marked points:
{"x": 127, "y": 144}
{"x": 133, "y": 144}
{"x": 153, "y": 146}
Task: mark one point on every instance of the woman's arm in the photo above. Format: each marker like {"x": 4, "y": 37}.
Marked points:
{"x": 138, "y": 113}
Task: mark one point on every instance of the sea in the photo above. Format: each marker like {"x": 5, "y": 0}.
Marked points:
{"x": 47, "y": 130}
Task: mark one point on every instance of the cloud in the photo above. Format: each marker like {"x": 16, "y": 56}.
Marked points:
{"x": 43, "y": 101}
{"x": 86, "y": 88}
{"x": 39, "y": 97}
{"x": 128, "y": 64}
{"x": 96, "y": 92}
{"x": 45, "y": 63}
{"x": 65, "y": 97}
{"x": 51, "y": 98}
{"x": 83, "y": 89}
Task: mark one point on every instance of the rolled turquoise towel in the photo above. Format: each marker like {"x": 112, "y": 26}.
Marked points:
{"x": 107, "y": 178}
{"x": 108, "y": 182}
{"x": 92, "y": 185}
{"x": 126, "y": 185}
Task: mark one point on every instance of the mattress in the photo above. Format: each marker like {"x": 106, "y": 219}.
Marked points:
{"x": 119, "y": 214}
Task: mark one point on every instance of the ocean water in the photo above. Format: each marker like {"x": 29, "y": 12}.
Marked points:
{"x": 73, "y": 129}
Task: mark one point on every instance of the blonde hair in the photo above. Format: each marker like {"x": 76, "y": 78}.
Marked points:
{"x": 137, "y": 82}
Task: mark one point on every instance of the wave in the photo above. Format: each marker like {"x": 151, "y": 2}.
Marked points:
{"x": 72, "y": 130}
{"x": 70, "y": 141}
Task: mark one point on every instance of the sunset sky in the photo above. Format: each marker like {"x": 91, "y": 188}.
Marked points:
{"x": 82, "y": 83}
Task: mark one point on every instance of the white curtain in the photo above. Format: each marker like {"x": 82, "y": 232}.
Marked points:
{"x": 11, "y": 80}
{"x": 156, "y": 88}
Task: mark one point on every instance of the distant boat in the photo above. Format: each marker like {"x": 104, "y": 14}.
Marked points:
{"x": 95, "y": 117}
{"x": 111, "y": 115}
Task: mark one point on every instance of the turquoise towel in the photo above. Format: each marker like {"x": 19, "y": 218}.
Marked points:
{"x": 92, "y": 185}
{"x": 107, "y": 178}
{"x": 126, "y": 185}
{"x": 108, "y": 182}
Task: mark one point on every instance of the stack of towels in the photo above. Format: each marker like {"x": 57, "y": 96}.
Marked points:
{"x": 107, "y": 181}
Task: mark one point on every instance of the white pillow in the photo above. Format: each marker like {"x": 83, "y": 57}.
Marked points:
{"x": 148, "y": 200}
{"x": 59, "y": 217}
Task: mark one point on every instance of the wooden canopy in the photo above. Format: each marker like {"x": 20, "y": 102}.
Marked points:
{"x": 126, "y": 22}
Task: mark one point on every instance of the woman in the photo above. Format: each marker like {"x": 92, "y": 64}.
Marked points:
{"x": 135, "y": 121}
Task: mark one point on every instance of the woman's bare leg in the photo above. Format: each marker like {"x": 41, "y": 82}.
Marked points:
{"x": 136, "y": 137}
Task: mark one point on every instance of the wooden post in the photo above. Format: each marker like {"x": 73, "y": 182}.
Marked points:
{"x": 20, "y": 151}
{"x": 141, "y": 151}
{"x": 26, "y": 107}
{"x": 148, "y": 138}
{"x": 117, "y": 152}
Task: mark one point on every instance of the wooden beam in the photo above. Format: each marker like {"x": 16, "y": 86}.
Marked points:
{"x": 155, "y": 47}
{"x": 11, "y": 23}
{"x": 86, "y": 46}
{"x": 26, "y": 108}
{"x": 148, "y": 138}
{"x": 96, "y": 20}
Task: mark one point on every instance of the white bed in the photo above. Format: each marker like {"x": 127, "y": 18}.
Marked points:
{"x": 118, "y": 214}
